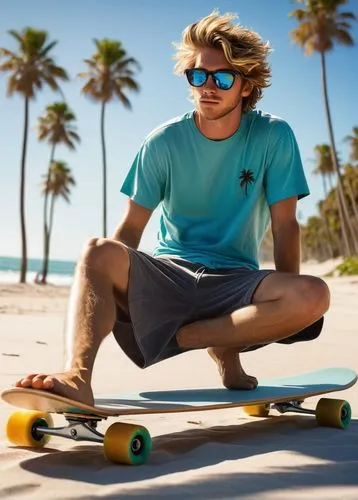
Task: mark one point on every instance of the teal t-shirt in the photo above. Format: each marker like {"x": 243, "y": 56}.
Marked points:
{"x": 215, "y": 195}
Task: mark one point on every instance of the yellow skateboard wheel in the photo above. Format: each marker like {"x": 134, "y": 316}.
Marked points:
{"x": 127, "y": 444}
{"x": 333, "y": 413}
{"x": 21, "y": 428}
{"x": 257, "y": 410}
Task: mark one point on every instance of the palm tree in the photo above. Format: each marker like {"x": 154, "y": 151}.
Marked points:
{"x": 351, "y": 173}
{"x": 353, "y": 144}
{"x": 56, "y": 127}
{"x": 324, "y": 167}
{"x": 321, "y": 26}
{"x": 30, "y": 68}
{"x": 350, "y": 183}
{"x": 110, "y": 73}
{"x": 56, "y": 183}
{"x": 312, "y": 238}
{"x": 246, "y": 178}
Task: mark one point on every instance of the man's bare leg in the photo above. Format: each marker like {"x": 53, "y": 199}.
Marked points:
{"x": 103, "y": 268}
{"x": 283, "y": 305}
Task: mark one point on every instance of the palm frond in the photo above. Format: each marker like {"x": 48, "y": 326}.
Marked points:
{"x": 321, "y": 25}
{"x": 56, "y": 125}
{"x": 30, "y": 67}
{"x": 110, "y": 73}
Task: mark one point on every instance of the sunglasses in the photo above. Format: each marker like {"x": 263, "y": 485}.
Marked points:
{"x": 223, "y": 78}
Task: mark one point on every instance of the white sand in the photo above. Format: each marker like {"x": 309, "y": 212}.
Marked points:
{"x": 213, "y": 454}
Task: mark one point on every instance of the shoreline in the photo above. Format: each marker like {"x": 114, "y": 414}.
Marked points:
{"x": 11, "y": 277}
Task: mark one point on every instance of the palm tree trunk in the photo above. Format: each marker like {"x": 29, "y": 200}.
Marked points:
{"x": 330, "y": 181}
{"x": 22, "y": 197}
{"x": 52, "y": 207}
{"x": 325, "y": 221}
{"x": 354, "y": 237}
{"x": 51, "y": 214}
{"x": 104, "y": 160}
{"x": 46, "y": 218}
{"x": 341, "y": 201}
{"x": 351, "y": 196}
{"x": 353, "y": 202}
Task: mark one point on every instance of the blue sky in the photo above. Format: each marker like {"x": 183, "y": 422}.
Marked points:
{"x": 147, "y": 29}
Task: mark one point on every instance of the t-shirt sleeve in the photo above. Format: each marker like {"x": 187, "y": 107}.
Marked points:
{"x": 145, "y": 181}
{"x": 284, "y": 175}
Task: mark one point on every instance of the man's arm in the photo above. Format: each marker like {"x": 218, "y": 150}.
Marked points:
{"x": 130, "y": 229}
{"x": 286, "y": 235}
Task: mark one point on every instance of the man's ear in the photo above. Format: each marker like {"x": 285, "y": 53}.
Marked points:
{"x": 247, "y": 89}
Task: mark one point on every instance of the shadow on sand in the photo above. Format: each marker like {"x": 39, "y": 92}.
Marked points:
{"x": 195, "y": 449}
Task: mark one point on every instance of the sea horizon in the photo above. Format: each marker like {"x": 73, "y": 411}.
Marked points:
{"x": 60, "y": 271}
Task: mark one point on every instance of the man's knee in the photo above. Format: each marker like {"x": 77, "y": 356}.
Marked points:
{"x": 312, "y": 296}
{"x": 100, "y": 253}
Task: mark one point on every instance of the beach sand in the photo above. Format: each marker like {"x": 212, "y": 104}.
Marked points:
{"x": 213, "y": 454}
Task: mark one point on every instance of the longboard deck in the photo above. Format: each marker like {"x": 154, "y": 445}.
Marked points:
{"x": 273, "y": 390}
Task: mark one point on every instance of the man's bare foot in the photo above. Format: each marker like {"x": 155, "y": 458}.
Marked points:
{"x": 69, "y": 384}
{"x": 230, "y": 369}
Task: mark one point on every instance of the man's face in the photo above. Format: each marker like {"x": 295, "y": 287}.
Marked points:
{"x": 211, "y": 102}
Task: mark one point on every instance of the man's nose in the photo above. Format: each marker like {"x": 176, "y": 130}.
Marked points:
{"x": 210, "y": 84}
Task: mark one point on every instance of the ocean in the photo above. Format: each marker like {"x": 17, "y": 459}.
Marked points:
{"x": 60, "y": 271}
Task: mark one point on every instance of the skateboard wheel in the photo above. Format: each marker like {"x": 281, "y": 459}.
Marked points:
{"x": 127, "y": 444}
{"x": 257, "y": 410}
{"x": 333, "y": 413}
{"x": 21, "y": 428}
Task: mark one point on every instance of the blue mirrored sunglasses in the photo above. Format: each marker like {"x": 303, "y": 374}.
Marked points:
{"x": 223, "y": 78}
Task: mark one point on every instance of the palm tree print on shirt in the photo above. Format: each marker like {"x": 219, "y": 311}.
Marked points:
{"x": 246, "y": 178}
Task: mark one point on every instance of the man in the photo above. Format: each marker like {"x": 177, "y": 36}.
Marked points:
{"x": 222, "y": 172}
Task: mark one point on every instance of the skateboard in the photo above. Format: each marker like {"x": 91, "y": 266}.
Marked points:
{"x": 127, "y": 443}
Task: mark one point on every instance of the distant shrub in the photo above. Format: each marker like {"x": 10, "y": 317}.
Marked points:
{"x": 348, "y": 267}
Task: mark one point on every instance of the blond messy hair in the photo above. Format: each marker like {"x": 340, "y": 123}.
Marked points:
{"x": 244, "y": 50}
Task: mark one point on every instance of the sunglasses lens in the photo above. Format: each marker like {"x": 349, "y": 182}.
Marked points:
{"x": 196, "y": 77}
{"x": 224, "y": 80}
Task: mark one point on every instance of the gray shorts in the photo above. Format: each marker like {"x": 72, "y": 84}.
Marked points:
{"x": 166, "y": 293}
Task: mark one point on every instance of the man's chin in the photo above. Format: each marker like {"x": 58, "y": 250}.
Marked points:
{"x": 210, "y": 114}
{"x": 214, "y": 112}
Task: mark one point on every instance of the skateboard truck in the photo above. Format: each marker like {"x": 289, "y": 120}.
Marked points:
{"x": 78, "y": 429}
{"x": 293, "y": 406}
